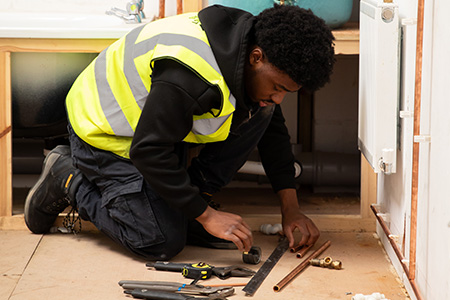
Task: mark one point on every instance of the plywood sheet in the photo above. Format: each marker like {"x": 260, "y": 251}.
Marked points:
{"x": 90, "y": 265}
{"x": 16, "y": 249}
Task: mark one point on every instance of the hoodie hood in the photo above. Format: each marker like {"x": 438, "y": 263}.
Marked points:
{"x": 228, "y": 34}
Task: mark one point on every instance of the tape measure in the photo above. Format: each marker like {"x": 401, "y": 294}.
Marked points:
{"x": 197, "y": 271}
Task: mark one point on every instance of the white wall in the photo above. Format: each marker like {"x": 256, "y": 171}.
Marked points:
{"x": 151, "y": 7}
{"x": 394, "y": 191}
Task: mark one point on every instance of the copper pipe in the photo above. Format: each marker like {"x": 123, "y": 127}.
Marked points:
{"x": 397, "y": 252}
{"x": 179, "y": 7}
{"x": 296, "y": 248}
{"x": 228, "y": 284}
{"x": 300, "y": 248}
{"x": 416, "y": 145}
{"x": 303, "y": 265}
{"x": 162, "y": 8}
{"x": 303, "y": 251}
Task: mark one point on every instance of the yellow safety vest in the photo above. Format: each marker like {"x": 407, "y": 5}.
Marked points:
{"x": 105, "y": 102}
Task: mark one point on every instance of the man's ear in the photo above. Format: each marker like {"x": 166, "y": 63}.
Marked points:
{"x": 256, "y": 55}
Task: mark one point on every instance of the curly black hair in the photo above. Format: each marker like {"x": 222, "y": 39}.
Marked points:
{"x": 296, "y": 42}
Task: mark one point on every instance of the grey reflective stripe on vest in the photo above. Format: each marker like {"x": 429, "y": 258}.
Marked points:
{"x": 205, "y": 126}
{"x": 113, "y": 113}
{"x": 112, "y": 110}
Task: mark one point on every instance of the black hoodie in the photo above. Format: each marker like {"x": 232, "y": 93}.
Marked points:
{"x": 177, "y": 94}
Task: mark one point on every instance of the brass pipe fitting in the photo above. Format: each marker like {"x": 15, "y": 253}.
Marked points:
{"x": 326, "y": 262}
{"x": 336, "y": 264}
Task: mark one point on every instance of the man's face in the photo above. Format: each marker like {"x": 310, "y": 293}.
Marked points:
{"x": 264, "y": 83}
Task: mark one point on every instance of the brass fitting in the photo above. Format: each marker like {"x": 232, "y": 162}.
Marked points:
{"x": 336, "y": 264}
{"x": 326, "y": 262}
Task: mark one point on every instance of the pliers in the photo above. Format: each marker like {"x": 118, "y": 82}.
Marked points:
{"x": 232, "y": 271}
{"x": 173, "y": 290}
{"x": 187, "y": 269}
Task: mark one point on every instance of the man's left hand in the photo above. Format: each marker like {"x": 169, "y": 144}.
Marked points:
{"x": 293, "y": 218}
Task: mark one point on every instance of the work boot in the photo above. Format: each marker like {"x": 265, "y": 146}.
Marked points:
{"x": 53, "y": 192}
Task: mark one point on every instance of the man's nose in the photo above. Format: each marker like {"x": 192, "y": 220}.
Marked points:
{"x": 278, "y": 98}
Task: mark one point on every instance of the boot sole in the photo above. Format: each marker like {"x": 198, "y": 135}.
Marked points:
{"x": 49, "y": 161}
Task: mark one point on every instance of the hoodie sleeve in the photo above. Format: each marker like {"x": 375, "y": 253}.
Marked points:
{"x": 276, "y": 154}
{"x": 176, "y": 95}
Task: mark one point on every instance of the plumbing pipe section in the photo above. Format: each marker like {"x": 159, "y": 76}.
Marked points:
{"x": 416, "y": 145}
{"x": 318, "y": 169}
{"x": 329, "y": 169}
{"x": 271, "y": 229}
{"x": 374, "y": 296}
{"x": 302, "y": 252}
{"x": 326, "y": 262}
{"x": 397, "y": 251}
{"x": 256, "y": 168}
{"x": 303, "y": 265}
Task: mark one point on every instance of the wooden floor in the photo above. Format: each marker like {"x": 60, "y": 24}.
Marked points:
{"x": 89, "y": 265}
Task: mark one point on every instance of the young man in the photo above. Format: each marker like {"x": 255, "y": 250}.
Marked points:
{"x": 216, "y": 78}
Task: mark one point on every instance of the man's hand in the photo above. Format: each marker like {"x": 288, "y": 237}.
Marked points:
{"x": 293, "y": 218}
{"x": 227, "y": 226}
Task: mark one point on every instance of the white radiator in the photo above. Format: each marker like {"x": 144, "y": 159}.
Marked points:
{"x": 379, "y": 83}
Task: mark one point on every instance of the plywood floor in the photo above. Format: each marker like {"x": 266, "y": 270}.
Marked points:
{"x": 89, "y": 265}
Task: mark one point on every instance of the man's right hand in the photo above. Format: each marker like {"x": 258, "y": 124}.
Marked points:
{"x": 227, "y": 226}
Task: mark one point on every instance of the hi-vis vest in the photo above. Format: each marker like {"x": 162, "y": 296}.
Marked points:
{"x": 105, "y": 103}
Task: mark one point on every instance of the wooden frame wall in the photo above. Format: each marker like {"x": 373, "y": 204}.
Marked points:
{"x": 347, "y": 42}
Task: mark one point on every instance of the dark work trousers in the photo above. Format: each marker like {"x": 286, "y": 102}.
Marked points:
{"x": 115, "y": 197}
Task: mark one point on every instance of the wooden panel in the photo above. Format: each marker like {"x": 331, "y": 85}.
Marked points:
{"x": 8, "y": 45}
{"x": 368, "y": 188}
{"x": 325, "y": 223}
{"x": 5, "y": 135}
{"x": 55, "y": 45}
{"x": 192, "y": 5}
{"x": 347, "y": 42}
{"x": 347, "y": 39}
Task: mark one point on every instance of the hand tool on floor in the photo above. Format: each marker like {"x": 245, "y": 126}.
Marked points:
{"x": 253, "y": 256}
{"x": 173, "y": 290}
{"x": 265, "y": 269}
{"x": 158, "y": 295}
{"x": 201, "y": 270}
{"x": 304, "y": 264}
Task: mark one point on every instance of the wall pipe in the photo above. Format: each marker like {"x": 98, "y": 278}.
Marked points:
{"x": 162, "y": 8}
{"x": 179, "y": 7}
{"x": 318, "y": 169}
{"x": 416, "y": 145}
{"x": 397, "y": 251}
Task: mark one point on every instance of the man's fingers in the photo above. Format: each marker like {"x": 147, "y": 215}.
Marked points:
{"x": 310, "y": 234}
{"x": 305, "y": 236}
{"x": 241, "y": 236}
{"x": 314, "y": 235}
{"x": 246, "y": 238}
{"x": 238, "y": 242}
{"x": 290, "y": 236}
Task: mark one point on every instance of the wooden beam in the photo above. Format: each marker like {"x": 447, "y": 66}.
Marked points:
{"x": 192, "y": 5}
{"x": 347, "y": 39}
{"x": 326, "y": 223}
{"x": 368, "y": 192}
{"x": 55, "y": 45}
{"x": 5, "y": 135}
